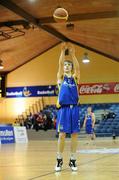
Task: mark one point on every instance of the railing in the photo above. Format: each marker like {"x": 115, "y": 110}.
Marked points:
{"x": 32, "y": 109}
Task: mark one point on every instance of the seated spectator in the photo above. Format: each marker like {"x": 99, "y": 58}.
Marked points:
{"x": 111, "y": 115}
{"x": 39, "y": 123}
{"x": 16, "y": 123}
{"x": 28, "y": 122}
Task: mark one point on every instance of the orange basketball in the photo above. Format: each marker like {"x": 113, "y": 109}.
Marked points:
{"x": 60, "y": 15}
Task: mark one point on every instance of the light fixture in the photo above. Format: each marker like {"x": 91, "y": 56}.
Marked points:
{"x": 32, "y": 1}
{"x": 1, "y": 65}
{"x": 85, "y": 58}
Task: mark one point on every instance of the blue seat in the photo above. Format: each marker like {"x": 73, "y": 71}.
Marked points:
{"x": 107, "y": 126}
{"x": 97, "y": 130}
{"x": 109, "y": 130}
{"x": 108, "y": 123}
{"x": 102, "y": 130}
{"x": 115, "y": 123}
{"x": 117, "y": 127}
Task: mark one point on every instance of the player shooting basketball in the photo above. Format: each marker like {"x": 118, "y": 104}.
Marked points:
{"x": 68, "y": 114}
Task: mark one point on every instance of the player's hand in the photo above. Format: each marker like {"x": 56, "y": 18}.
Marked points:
{"x": 71, "y": 49}
{"x": 63, "y": 46}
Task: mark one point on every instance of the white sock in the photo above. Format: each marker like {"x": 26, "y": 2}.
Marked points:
{"x": 73, "y": 156}
{"x": 59, "y": 155}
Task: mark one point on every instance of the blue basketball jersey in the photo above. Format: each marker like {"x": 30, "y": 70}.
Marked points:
{"x": 89, "y": 123}
{"x": 89, "y": 120}
{"x": 68, "y": 92}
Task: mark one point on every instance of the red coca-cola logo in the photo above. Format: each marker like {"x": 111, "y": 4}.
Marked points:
{"x": 94, "y": 89}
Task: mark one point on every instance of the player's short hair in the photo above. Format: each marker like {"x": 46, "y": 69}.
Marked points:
{"x": 90, "y": 107}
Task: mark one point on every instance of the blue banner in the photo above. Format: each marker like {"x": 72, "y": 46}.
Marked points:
{"x": 31, "y": 91}
{"x": 7, "y": 134}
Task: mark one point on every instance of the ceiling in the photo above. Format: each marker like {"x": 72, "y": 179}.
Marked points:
{"x": 27, "y": 28}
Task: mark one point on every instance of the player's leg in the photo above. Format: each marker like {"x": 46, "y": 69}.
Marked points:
{"x": 61, "y": 144}
{"x": 88, "y": 135}
{"x": 74, "y": 143}
{"x": 75, "y": 126}
{"x": 93, "y": 134}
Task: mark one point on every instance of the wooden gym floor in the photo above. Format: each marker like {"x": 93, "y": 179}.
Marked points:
{"x": 36, "y": 161}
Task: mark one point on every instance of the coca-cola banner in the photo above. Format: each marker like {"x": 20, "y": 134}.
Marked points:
{"x": 99, "y": 88}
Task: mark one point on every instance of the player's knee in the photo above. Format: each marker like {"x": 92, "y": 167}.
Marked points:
{"x": 62, "y": 135}
{"x": 74, "y": 135}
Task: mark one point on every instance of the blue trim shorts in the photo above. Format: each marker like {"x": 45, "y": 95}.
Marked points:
{"x": 89, "y": 129}
{"x": 68, "y": 119}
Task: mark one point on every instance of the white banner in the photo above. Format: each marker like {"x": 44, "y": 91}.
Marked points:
{"x": 20, "y": 134}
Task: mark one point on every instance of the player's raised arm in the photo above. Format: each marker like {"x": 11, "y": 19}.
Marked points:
{"x": 75, "y": 62}
{"x": 61, "y": 61}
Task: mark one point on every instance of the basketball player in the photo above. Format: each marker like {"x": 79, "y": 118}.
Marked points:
{"x": 89, "y": 123}
{"x": 68, "y": 114}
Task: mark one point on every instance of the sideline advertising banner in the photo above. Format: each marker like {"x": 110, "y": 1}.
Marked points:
{"x": 7, "y": 134}
{"x": 20, "y": 134}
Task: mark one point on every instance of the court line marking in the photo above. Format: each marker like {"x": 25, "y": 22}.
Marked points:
{"x": 99, "y": 151}
{"x": 83, "y": 164}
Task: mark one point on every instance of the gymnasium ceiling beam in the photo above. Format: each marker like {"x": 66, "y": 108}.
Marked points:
{"x": 86, "y": 16}
{"x": 19, "y": 11}
{"x": 14, "y": 23}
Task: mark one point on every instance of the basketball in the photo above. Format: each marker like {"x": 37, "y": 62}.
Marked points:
{"x": 60, "y": 15}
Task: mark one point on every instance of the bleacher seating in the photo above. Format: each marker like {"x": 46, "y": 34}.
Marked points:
{"x": 108, "y": 127}
{"x": 105, "y": 126}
